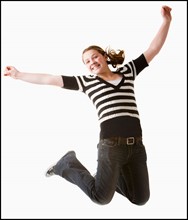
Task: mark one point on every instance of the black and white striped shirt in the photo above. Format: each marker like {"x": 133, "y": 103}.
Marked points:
{"x": 115, "y": 104}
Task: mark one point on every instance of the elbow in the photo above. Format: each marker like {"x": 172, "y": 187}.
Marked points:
{"x": 56, "y": 81}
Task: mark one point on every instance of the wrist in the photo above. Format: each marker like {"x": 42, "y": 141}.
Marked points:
{"x": 18, "y": 75}
{"x": 167, "y": 20}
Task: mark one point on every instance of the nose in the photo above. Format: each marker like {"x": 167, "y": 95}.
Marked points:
{"x": 93, "y": 61}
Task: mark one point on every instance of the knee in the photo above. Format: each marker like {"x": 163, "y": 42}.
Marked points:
{"x": 102, "y": 200}
{"x": 141, "y": 201}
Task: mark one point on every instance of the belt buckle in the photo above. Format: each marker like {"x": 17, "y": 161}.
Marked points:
{"x": 130, "y": 141}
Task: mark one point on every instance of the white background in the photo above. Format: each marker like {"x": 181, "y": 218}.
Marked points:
{"x": 41, "y": 123}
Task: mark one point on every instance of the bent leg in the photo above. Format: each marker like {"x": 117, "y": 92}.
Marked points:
{"x": 70, "y": 168}
{"x": 133, "y": 181}
{"x": 101, "y": 188}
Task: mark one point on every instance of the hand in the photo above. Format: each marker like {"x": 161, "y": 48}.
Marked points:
{"x": 165, "y": 11}
{"x": 11, "y": 71}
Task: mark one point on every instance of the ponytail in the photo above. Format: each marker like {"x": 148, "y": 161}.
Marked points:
{"x": 115, "y": 57}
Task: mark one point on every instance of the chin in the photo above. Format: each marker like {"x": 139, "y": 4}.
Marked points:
{"x": 96, "y": 72}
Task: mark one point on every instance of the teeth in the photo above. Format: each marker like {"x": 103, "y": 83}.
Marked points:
{"x": 96, "y": 67}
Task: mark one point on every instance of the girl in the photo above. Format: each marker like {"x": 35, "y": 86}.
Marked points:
{"x": 122, "y": 159}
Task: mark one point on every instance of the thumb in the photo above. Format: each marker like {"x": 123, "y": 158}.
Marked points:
{"x": 7, "y": 71}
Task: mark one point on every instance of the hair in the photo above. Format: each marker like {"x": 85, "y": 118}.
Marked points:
{"x": 113, "y": 57}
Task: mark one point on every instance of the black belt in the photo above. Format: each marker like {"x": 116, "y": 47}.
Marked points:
{"x": 122, "y": 140}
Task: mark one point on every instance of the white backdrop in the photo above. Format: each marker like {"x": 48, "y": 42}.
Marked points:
{"x": 41, "y": 123}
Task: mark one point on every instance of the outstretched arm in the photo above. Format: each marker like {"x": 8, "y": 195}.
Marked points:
{"x": 161, "y": 35}
{"x": 37, "y": 78}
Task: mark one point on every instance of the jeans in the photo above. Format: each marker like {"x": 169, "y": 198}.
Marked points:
{"x": 121, "y": 168}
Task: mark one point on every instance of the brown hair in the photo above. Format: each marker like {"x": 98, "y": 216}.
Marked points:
{"x": 113, "y": 57}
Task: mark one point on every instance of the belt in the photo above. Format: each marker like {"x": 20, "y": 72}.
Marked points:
{"x": 122, "y": 140}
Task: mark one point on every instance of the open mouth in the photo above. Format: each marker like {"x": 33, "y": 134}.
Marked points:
{"x": 95, "y": 67}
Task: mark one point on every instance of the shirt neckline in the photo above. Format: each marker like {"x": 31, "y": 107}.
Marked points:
{"x": 110, "y": 84}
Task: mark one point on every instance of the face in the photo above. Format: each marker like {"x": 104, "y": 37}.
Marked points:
{"x": 95, "y": 62}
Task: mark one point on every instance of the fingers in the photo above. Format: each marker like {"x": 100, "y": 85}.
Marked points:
{"x": 8, "y": 70}
{"x": 165, "y": 11}
{"x": 166, "y": 8}
{"x": 6, "y": 74}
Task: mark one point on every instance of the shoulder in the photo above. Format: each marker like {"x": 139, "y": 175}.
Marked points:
{"x": 86, "y": 77}
{"x": 135, "y": 65}
{"x": 124, "y": 69}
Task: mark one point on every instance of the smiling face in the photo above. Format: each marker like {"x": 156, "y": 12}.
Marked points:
{"x": 95, "y": 61}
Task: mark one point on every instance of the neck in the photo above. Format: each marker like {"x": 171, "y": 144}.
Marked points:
{"x": 109, "y": 75}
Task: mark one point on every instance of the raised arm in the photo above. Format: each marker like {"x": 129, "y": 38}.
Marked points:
{"x": 161, "y": 35}
{"x": 36, "y": 78}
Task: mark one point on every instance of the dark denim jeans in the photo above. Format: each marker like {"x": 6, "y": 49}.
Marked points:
{"x": 121, "y": 168}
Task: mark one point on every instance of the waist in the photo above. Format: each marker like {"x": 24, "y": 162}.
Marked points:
{"x": 121, "y": 127}
{"x": 122, "y": 140}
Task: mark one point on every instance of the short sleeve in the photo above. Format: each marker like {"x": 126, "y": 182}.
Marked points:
{"x": 140, "y": 63}
{"x": 70, "y": 82}
{"x": 134, "y": 67}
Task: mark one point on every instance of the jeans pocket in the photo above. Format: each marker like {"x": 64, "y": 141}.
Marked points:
{"x": 108, "y": 143}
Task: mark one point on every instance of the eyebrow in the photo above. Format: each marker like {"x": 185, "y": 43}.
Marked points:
{"x": 91, "y": 56}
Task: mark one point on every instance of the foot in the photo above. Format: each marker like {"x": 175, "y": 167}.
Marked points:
{"x": 50, "y": 172}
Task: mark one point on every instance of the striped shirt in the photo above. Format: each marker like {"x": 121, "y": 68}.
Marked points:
{"x": 115, "y": 104}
